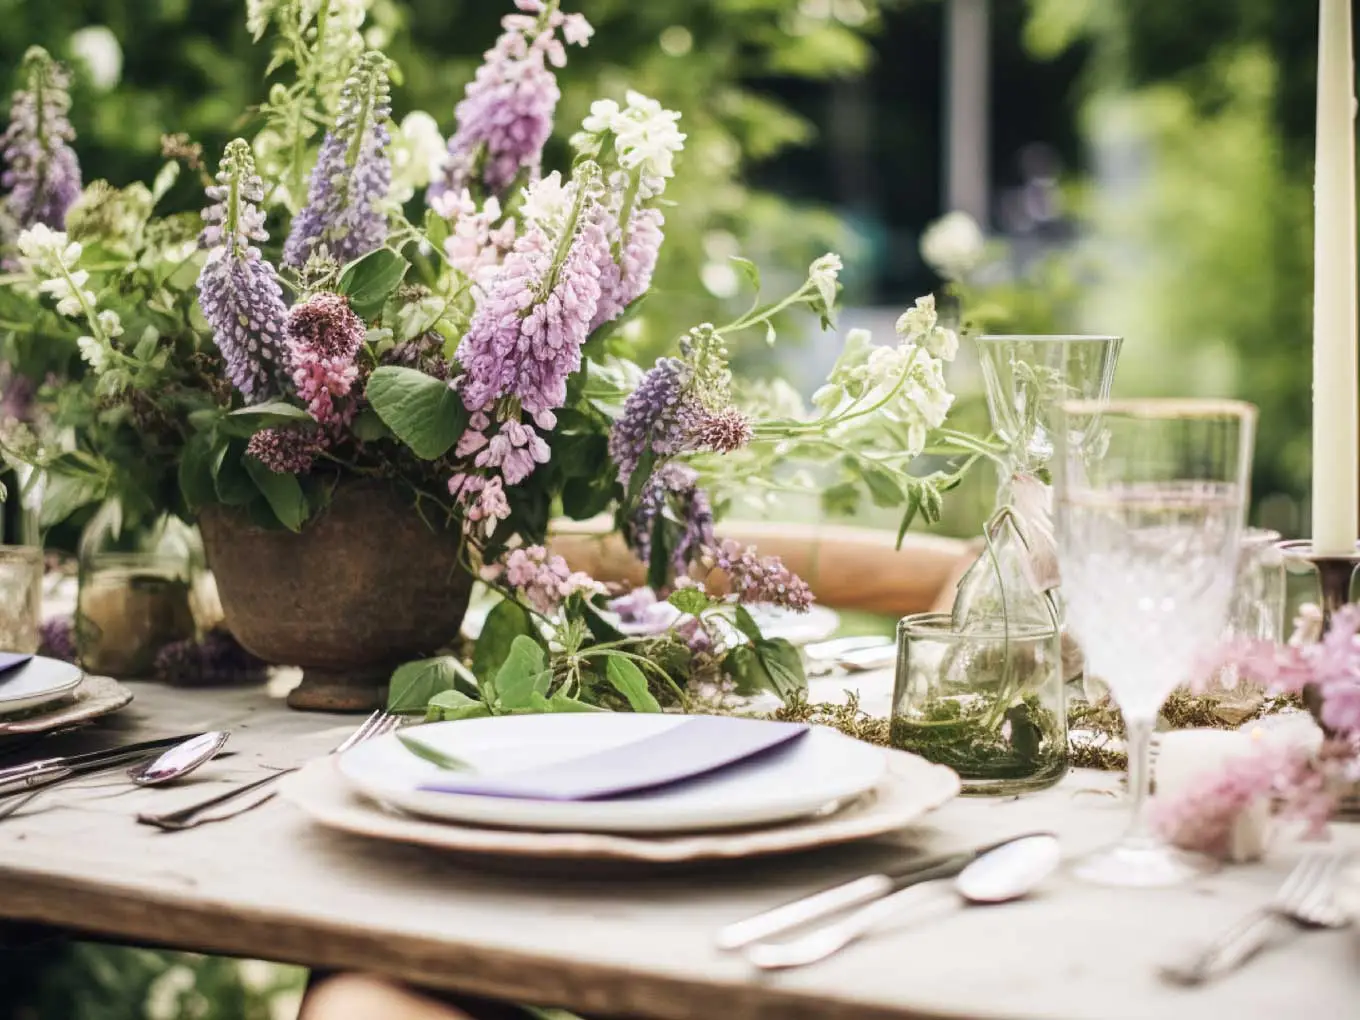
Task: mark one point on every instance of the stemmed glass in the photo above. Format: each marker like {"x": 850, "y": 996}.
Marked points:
{"x": 1151, "y": 496}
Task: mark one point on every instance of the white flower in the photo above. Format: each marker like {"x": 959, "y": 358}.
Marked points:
{"x": 646, "y": 138}
{"x": 576, "y": 30}
{"x": 93, "y": 353}
{"x": 547, "y": 201}
{"x": 417, "y": 152}
{"x": 953, "y": 245}
{"x": 602, "y": 117}
{"x": 942, "y": 342}
{"x": 916, "y": 322}
{"x": 823, "y": 274}
{"x": 97, "y": 47}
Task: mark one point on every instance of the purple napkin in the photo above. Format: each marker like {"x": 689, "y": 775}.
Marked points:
{"x": 694, "y": 748}
{"x": 12, "y": 660}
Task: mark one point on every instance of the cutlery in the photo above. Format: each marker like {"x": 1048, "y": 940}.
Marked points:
{"x": 179, "y": 760}
{"x": 194, "y": 815}
{"x": 1000, "y": 875}
{"x": 852, "y": 894}
{"x": 108, "y": 756}
{"x": 1307, "y": 899}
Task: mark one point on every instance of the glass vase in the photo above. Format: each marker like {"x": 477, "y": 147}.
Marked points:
{"x": 988, "y": 702}
{"x": 21, "y": 573}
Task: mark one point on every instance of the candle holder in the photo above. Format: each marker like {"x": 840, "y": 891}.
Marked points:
{"x": 1335, "y": 572}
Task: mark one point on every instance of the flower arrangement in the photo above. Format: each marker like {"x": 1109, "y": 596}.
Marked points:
{"x": 340, "y": 311}
{"x": 1304, "y": 783}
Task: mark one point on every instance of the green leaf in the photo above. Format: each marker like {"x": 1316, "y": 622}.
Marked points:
{"x": 748, "y": 674}
{"x": 368, "y": 427}
{"x": 584, "y": 498}
{"x": 521, "y": 674}
{"x": 629, "y": 681}
{"x": 560, "y": 703}
{"x": 784, "y": 666}
{"x": 883, "y": 488}
{"x": 913, "y": 507}
{"x": 640, "y": 475}
{"x": 233, "y": 485}
{"x": 420, "y": 749}
{"x": 690, "y": 600}
{"x": 841, "y": 499}
{"x": 282, "y": 491}
{"x": 506, "y": 621}
{"x": 659, "y": 563}
{"x": 246, "y": 421}
{"x": 370, "y": 280}
{"x": 416, "y": 684}
{"x": 600, "y": 628}
{"x": 452, "y": 706}
{"x": 422, "y": 411}
{"x": 746, "y": 623}
{"x": 196, "y": 472}
{"x": 748, "y": 269}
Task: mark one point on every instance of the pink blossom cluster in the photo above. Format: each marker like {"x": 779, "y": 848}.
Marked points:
{"x": 543, "y": 580}
{"x": 1203, "y": 816}
{"x": 323, "y": 338}
{"x": 622, "y": 282}
{"x": 287, "y": 451}
{"x": 482, "y": 499}
{"x": 516, "y": 449}
{"x": 476, "y": 246}
{"x": 756, "y": 578}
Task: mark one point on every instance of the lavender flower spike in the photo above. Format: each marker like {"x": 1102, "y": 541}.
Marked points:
{"x": 353, "y": 173}
{"x": 237, "y": 289}
{"x": 41, "y": 172}
{"x": 506, "y": 114}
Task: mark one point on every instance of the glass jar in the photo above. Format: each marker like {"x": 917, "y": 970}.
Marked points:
{"x": 987, "y": 701}
{"x": 135, "y": 598}
{"x": 21, "y": 573}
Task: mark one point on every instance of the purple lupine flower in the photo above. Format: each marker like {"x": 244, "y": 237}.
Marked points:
{"x": 42, "y": 174}
{"x": 624, "y": 281}
{"x": 285, "y": 450}
{"x": 324, "y": 336}
{"x": 525, "y": 338}
{"x": 238, "y": 290}
{"x": 659, "y": 414}
{"x": 506, "y": 114}
{"x": 674, "y": 486}
{"x": 57, "y": 639}
{"x": 217, "y": 659}
{"x": 756, "y": 578}
{"x": 353, "y": 173}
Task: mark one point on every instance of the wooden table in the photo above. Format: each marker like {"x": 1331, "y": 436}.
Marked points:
{"x": 271, "y": 885}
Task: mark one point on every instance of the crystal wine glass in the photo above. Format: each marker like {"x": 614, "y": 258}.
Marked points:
{"x": 1151, "y": 496}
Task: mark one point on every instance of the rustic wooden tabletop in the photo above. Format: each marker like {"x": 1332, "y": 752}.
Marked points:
{"x": 272, "y": 885}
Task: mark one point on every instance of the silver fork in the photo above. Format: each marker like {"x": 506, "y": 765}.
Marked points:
{"x": 190, "y": 817}
{"x": 1307, "y": 898}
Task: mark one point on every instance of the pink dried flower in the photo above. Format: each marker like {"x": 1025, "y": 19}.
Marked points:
{"x": 760, "y": 579}
{"x": 482, "y": 499}
{"x": 544, "y": 580}
{"x": 323, "y": 337}
{"x": 286, "y": 451}
{"x": 725, "y": 432}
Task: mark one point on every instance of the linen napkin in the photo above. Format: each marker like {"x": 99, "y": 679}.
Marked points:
{"x": 696, "y": 747}
{"x": 12, "y": 660}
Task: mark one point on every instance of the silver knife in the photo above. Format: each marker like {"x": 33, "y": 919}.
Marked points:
{"x": 851, "y": 894}
{"x": 95, "y": 759}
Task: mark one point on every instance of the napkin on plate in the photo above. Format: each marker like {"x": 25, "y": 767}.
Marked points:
{"x": 693, "y": 748}
{"x": 12, "y": 660}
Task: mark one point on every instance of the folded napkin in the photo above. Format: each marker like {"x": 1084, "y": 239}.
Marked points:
{"x": 695, "y": 747}
{"x": 12, "y": 660}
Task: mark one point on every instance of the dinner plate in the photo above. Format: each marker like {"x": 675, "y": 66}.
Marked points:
{"x": 910, "y": 788}
{"x": 93, "y": 697}
{"x": 822, "y": 768}
{"x": 38, "y": 682}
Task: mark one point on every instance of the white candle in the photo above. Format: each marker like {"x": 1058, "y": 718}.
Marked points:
{"x": 1336, "y": 448}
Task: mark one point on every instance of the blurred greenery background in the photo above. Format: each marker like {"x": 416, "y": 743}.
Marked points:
{"x": 1149, "y": 175}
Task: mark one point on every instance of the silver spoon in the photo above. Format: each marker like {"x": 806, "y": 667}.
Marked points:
{"x": 179, "y": 760}
{"x": 1007, "y": 873}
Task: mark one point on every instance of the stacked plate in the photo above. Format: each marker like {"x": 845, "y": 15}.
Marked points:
{"x": 513, "y": 786}
{"x": 39, "y": 694}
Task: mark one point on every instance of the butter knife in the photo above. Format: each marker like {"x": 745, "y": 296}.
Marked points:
{"x": 92, "y": 759}
{"x": 850, "y": 894}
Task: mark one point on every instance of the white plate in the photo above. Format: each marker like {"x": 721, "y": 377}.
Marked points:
{"x": 911, "y": 788}
{"x": 806, "y": 776}
{"x": 38, "y": 682}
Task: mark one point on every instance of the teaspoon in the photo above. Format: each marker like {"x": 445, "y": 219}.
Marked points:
{"x": 1007, "y": 873}
{"x": 179, "y": 760}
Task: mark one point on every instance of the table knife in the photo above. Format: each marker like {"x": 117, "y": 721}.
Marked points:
{"x": 96, "y": 759}
{"x": 850, "y": 894}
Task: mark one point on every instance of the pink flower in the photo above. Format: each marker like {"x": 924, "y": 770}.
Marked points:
{"x": 543, "y": 580}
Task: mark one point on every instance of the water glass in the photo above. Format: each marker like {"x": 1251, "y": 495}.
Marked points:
{"x": 21, "y": 572}
{"x": 1151, "y": 498}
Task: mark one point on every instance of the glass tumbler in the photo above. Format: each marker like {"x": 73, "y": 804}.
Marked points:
{"x": 21, "y": 572}
{"x": 987, "y": 701}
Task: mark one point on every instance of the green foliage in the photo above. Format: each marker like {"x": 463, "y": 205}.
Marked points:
{"x": 421, "y": 411}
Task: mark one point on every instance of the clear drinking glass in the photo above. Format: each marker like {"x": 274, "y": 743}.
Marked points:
{"x": 1151, "y": 496}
